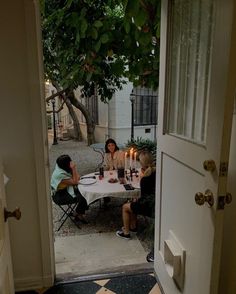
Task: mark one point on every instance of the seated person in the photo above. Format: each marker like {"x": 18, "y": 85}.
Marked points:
{"x": 64, "y": 182}
{"x": 113, "y": 157}
{"x": 145, "y": 204}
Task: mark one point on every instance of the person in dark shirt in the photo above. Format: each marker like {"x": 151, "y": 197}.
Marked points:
{"x": 145, "y": 205}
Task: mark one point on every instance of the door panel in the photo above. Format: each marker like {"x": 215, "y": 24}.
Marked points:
{"x": 6, "y": 276}
{"x": 181, "y": 215}
{"x": 194, "y": 68}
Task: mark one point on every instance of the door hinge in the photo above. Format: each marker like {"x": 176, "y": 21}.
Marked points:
{"x": 224, "y": 199}
{"x": 223, "y": 169}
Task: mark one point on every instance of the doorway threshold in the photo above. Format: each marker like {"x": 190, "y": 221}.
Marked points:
{"x": 144, "y": 268}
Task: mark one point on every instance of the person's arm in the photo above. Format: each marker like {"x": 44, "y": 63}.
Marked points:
{"x": 74, "y": 180}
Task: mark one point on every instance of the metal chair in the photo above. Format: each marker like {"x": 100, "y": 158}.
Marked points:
{"x": 68, "y": 210}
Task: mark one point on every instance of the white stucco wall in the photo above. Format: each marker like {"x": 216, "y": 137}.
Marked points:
{"x": 115, "y": 119}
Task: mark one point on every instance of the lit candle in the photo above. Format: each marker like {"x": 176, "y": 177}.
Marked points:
{"x": 130, "y": 157}
{"x": 135, "y": 157}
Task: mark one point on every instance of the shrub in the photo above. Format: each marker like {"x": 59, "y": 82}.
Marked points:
{"x": 143, "y": 144}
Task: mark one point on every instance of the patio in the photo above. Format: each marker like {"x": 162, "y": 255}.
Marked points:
{"x": 76, "y": 249}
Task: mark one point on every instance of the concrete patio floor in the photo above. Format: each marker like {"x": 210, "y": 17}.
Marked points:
{"x": 96, "y": 253}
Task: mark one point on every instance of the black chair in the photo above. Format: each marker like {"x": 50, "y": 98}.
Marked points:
{"x": 68, "y": 210}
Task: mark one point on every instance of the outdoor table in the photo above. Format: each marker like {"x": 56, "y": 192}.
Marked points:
{"x": 94, "y": 189}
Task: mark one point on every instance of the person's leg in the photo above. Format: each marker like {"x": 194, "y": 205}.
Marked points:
{"x": 133, "y": 222}
{"x": 80, "y": 209}
{"x": 126, "y": 216}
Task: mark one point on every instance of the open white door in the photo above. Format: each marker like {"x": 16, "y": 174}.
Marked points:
{"x": 192, "y": 143}
{"x": 6, "y": 276}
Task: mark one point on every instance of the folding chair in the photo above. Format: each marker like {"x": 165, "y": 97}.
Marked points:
{"x": 68, "y": 211}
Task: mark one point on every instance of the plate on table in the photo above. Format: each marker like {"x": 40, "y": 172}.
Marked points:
{"x": 87, "y": 181}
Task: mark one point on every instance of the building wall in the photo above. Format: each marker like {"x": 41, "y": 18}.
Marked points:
{"x": 115, "y": 119}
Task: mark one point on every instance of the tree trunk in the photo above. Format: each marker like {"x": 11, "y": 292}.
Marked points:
{"x": 69, "y": 95}
{"x": 77, "y": 131}
{"x": 89, "y": 121}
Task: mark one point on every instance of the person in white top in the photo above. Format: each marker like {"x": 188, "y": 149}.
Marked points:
{"x": 113, "y": 158}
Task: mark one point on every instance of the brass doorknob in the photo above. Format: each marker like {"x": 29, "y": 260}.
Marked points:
{"x": 201, "y": 198}
{"x": 209, "y": 165}
{"x": 16, "y": 213}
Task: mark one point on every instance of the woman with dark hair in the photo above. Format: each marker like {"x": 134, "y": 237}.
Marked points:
{"x": 64, "y": 182}
{"x": 113, "y": 157}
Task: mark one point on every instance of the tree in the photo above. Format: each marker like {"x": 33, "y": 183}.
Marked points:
{"x": 97, "y": 44}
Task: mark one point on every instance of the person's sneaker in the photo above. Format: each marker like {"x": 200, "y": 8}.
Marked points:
{"x": 150, "y": 256}
{"x": 121, "y": 234}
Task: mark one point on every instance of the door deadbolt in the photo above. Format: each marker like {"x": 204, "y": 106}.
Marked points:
{"x": 201, "y": 198}
{"x": 209, "y": 165}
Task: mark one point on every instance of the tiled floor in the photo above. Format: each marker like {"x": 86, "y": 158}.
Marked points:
{"x": 133, "y": 284}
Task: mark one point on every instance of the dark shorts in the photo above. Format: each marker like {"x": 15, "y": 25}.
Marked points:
{"x": 140, "y": 208}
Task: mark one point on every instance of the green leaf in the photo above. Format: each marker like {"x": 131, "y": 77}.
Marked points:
{"x": 140, "y": 18}
{"x": 83, "y": 12}
{"x": 97, "y": 46}
{"x": 104, "y": 38}
{"x": 145, "y": 39}
{"x": 127, "y": 26}
{"x": 68, "y": 3}
{"x": 98, "y": 24}
{"x": 132, "y": 7}
{"x": 94, "y": 33}
{"x": 84, "y": 26}
{"x": 77, "y": 39}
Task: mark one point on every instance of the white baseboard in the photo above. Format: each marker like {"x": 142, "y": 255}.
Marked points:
{"x": 33, "y": 283}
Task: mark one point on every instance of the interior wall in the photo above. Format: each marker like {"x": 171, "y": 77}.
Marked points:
{"x": 23, "y": 143}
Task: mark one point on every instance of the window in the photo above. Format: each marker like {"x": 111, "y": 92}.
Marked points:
{"x": 189, "y": 62}
{"x": 145, "y": 106}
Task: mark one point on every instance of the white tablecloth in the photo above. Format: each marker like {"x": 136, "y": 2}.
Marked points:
{"x": 102, "y": 188}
